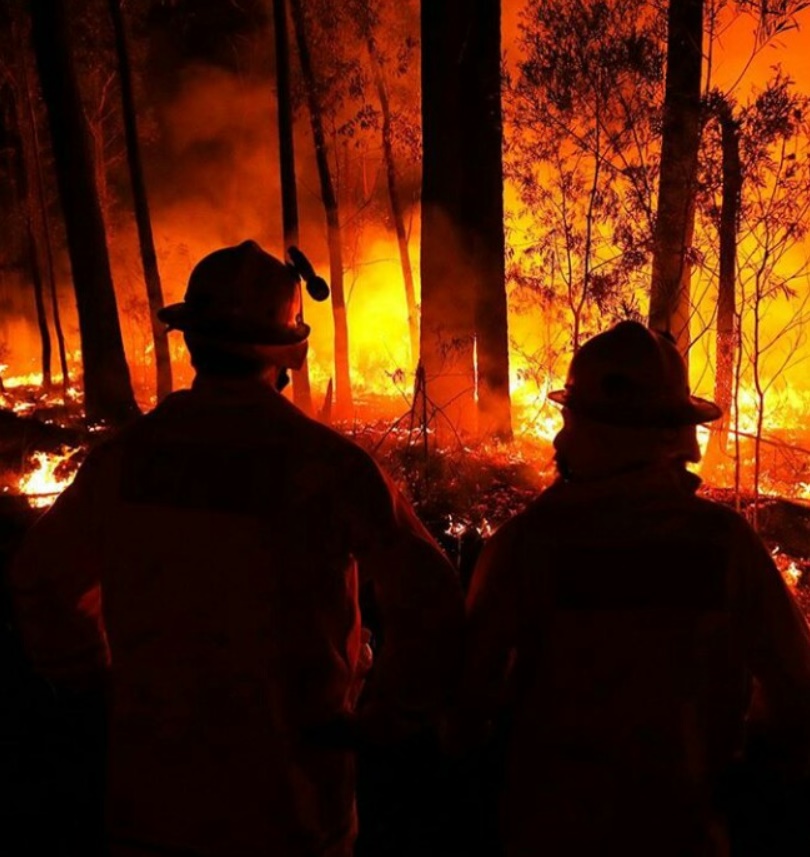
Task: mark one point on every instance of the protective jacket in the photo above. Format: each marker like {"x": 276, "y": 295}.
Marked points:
{"x": 621, "y": 623}
{"x": 207, "y": 561}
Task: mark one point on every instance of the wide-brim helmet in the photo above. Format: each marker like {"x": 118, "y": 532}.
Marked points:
{"x": 241, "y": 296}
{"x": 633, "y": 376}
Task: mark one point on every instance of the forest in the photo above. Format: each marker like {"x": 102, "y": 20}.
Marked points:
{"x": 484, "y": 185}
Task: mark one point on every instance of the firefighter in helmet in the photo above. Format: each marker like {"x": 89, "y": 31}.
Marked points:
{"x": 205, "y": 565}
{"x": 621, "y": 621}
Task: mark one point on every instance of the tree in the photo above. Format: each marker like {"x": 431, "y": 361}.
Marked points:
{"x": 756, "y": 277}
{"x": 366, "y": 14}
{"x": 32, "y": 149}
{"x": 584, "y": 111}
{"x": 343, "y": 390}
{"x": 302, "y": 392}
{"x": 22, "y": 170}
{"x": 728, "y": 222}
{"x": 483, "y": 206}
{"x": 107, "y": 387}
{"x": 154, "y": 290}
{"x": 674, "y": 226}
{"x": 462, "y": 261}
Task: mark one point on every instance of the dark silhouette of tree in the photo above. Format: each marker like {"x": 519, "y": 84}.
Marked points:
{"x": 670, "y": 306}
{"x": 154, "y": 290}
{"x": 22, "y": 172}
{"x": 722, "y": 108}
{"x": 302, "y": 391}
{"x": 343, "y": 390}
{"x": 41, "y": 216}
{"x": 463, "y": 290}
{"x": 755, "y": 160}
{"x": 107, "y": 387}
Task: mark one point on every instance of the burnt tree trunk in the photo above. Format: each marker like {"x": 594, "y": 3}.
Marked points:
{"x": 463, "y": 293}
{"x": 447, "y": 331}
{"x": 301, "y": 388}
{"x": 43, "y": 220}
{"x": 343, "y": 390}
{"x": 154, "y": 290}
{"x": 394, "y": 198}
{"x": 35, "y": 257}
{"x": 107, "y": 386}
{"x": 484, "y": 207}
{"x": 25, "y": 182}
{"x": 726, "y": 293}
{"x": 674, "y": 226}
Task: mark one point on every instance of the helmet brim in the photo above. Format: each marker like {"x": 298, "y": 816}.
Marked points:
{"x": 185, "y": 318}
{"x": 691, "y": 411}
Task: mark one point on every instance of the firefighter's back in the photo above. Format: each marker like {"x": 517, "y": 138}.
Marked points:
{"x": 229, "y": 603}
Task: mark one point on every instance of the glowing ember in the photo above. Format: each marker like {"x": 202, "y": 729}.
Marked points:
{"x": 49, "y": 475}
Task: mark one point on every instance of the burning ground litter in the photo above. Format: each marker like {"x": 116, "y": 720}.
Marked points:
{"x": 462, "y": 491}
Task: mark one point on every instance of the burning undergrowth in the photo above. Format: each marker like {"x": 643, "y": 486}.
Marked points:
{"x": 462, "y": 491}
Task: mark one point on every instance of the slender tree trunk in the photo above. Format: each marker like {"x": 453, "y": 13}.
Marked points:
{"x": 674, "y": 226}
{"x": 394, "y": 196}
{"x": 343, "y": 390}
{"x": 301, "y": 387}
{"x": 726, "y": 294}
{"x": 39, "y": 292}
{"x": 107, "y": 386}
{"x": 154, "y": 290}
{"x": 24, "y": 183}
{"x": 463, "y": 294}
{"x": 44, "y": 226}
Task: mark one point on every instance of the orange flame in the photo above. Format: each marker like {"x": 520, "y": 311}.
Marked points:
{"x": 48, "y": 477}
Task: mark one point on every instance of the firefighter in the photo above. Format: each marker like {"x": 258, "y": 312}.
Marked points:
{"x": 205, "y": 567}
{"x": 621, "y": 621}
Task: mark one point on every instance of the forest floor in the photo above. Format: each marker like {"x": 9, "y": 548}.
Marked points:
{"x": 463, "y": 492}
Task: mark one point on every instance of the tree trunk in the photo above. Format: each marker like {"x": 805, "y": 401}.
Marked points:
{"x": 462, "y": 215}
{"x": 26, "y": 184}
{"x": 674, "y": 226}
{"x": 483, "y": 204}
{"x": 44, "y": 226}
{"x": 39, "y": 292}
{"x": 447, "y": 331}
{"x": 343, "y": 390}
{"x": 301, "y": 388}
{"x": 394, "y": 196}
{"x": 154, "y": 290}
{"x": 726, "y": 293}
{"x": 107, "y": 386}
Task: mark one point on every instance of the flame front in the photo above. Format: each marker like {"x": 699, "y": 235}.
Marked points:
{"x": 48, "y": 477}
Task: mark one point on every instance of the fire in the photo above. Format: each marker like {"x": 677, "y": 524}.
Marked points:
{"x": 48, "y": 476}
{"x": 791, "y": 571}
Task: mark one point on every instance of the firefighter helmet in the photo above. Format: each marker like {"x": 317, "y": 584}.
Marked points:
{"x": 241, "y": 296}
{"x": 633, "y": 376}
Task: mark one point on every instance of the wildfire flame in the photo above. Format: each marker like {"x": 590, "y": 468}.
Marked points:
{"x": 49, "y": 475}
{"x": 790, "y": 569}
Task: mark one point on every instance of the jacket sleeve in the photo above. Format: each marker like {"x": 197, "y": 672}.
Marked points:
{"x": 55, "y": 589}
{"x": 777, "y": 643}
{"x": 418, "y": 595}
{"x": 492, "y": 628}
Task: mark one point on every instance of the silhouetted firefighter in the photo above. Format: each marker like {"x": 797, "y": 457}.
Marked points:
{"x": 227, "y": 535}
{"x": 620, "y": 621}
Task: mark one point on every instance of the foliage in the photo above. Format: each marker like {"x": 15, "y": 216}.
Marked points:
{"x": 584, "y": 114}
